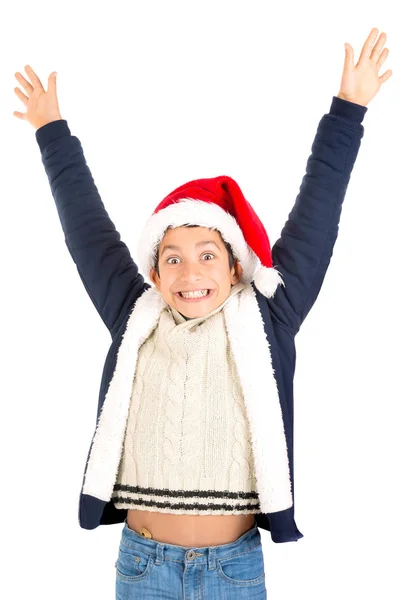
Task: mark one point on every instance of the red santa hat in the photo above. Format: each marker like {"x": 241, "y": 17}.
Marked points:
{"x": 216, "y": 203}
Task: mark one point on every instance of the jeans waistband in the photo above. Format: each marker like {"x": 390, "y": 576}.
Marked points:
{"x": 161, "y": 551}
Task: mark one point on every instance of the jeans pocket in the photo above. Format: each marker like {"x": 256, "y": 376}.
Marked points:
{"x": 243, "y": 569}
{"x": 133, "y": 564}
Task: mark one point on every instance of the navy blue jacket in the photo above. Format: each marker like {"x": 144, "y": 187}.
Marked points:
{"x": 301, "y": 254}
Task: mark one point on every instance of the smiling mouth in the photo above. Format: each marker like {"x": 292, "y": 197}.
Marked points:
{"x": 201, "y": 297}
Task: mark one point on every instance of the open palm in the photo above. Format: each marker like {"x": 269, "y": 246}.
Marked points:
{"x": 360, "y": 83}
{"x": 41, "y": 106}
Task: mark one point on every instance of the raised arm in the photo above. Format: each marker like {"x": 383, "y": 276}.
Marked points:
{"x": 108, "y": 273}
{"x": 303, "y": 251}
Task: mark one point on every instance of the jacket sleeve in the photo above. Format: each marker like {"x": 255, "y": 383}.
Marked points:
{"x": 305, "y": 246}
{"x": 108, "y": 273}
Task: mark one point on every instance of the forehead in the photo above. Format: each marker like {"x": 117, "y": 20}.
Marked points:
{"x": 188, "y": 235}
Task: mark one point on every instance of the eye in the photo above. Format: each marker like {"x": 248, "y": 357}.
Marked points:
{"x": 175, "y": 258}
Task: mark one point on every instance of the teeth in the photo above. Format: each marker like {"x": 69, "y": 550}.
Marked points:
{"x": 198, "y": 294}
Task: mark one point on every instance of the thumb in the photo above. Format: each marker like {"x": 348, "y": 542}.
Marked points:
{"x": 52, "y": 82}
{"x": 349, "y": 58}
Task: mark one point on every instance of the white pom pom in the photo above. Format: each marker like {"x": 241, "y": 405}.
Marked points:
{"x": 267, "y": 280}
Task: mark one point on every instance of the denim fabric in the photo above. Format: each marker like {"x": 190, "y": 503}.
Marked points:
{"x": 150, "y": 570}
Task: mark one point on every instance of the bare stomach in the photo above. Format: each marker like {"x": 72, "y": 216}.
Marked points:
{"x": 190, "y": 530}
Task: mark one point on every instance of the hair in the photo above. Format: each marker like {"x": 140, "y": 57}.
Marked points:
{"x": 228, "y": 247}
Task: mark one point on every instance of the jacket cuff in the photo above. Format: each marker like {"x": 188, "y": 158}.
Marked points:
{"x": 349, "y": 110}
{"x": 50, "y": 132}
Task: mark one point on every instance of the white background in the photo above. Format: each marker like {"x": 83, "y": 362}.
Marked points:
{"x": 160, "y": 93}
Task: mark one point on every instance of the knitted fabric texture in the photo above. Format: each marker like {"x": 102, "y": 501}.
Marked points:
{"x": 187, "y": 446}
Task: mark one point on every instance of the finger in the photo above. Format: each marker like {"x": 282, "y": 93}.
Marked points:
{"x": 378, "y": 47}
{"x": 382, "y": 58}
{"x": 18, "y": 114}
{"x": 369, "y": 43}
{"x": 33, "y": 77}
{"x": 25, "y": 84}
{"x": 385, "y": 76}
{"x": 21, "y": 96}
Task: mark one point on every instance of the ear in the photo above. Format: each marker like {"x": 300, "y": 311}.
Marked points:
{"x": 155, "y": 278}
{"x": 236, "y": 272}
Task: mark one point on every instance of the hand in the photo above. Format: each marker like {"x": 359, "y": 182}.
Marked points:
{"x": 42, "y": 107}
{"x": 361, "y": 83}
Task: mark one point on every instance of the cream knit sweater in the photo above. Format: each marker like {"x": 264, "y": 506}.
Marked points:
{"x": 187, "y": 447}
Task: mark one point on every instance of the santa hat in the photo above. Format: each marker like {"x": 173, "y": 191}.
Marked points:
{"x": 216, "y": 203}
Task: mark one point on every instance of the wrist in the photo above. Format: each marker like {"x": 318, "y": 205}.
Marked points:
{"x": 47, "y": 121}
{"x": 348, "y": 99}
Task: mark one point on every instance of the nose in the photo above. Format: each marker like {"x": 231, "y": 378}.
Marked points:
{"x": 191, "y": 272}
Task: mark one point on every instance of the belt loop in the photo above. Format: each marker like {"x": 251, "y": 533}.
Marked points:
{"x": 159, "y": 554}
{"x": 211, "y": 558}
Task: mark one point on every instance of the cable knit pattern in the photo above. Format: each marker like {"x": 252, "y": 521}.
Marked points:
{"x": 187, "y": 446}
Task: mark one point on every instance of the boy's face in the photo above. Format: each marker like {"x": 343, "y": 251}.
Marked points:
{"x": 192, "y": 267}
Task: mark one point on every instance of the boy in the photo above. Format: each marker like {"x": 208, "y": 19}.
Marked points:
{"x": 195, "y": 413}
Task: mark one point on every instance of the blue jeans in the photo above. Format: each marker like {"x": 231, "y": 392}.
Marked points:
{"x": 152, "y": 570}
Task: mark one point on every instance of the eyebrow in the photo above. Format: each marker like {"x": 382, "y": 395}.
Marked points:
{"x": 203, "y": 243}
